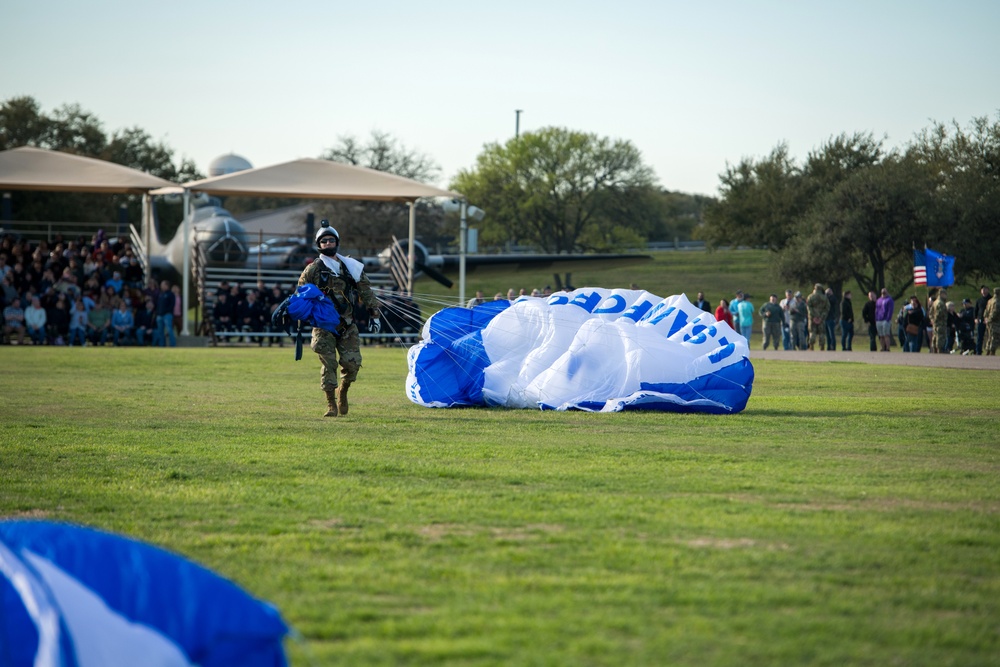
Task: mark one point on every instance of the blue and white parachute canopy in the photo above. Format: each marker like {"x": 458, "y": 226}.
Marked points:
{"x": 77, "y": 597}
{"x": 591, "y": 349}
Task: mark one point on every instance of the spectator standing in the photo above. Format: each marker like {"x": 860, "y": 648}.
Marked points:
{"x": 722, "y": 313}
{"x": 702, "y": 303}
{"x": 832, "y": 316}
{"x": 868, "y": 317}
{"x": 938, "y": 314}
{"x": 914, "y": 323}
{"x": 967, "y": 327}
{"x": 178, "y": 308}
{"x": 122, "y": 323}
{"x": 798, "y": 311}
{"x": 884, "y": 307}
{"x": 819, "y": 307}
{"x": 165, "y": 316}
{"x": 953, "y": 321}
{"x": 742, "y": 310}
{"x": 35, "y": 320}
{"x": 991, "y": 316}
{"x": 786, "y": 326}
{"x": 847, "y": 324}
{"x": 773, "y": 317}
{"x": 981, "y": 303}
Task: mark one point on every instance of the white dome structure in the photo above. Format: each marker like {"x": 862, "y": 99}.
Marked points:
{"x": 228, "y": 164}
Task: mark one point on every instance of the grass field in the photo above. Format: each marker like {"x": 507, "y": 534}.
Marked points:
{"x": 850, "y": 516}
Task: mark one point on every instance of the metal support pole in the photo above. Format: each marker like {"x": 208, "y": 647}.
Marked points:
{"x": 186, "y": 278}
{"x": 462, "y": 232}
{"x": 411, "y": 248}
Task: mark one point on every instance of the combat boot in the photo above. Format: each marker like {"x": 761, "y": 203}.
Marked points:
{"x": 342, "y": 396}
{"x": 331, "y": 403}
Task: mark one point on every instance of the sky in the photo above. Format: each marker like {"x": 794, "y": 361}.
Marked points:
{"x": 693, "y": 85}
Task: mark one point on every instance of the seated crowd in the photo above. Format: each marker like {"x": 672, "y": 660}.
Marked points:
{"x": 237, "y": 310}
{"x": 80, "y": 292}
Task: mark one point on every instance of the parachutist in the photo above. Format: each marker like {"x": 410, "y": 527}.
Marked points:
{"x": 344, "y": 281}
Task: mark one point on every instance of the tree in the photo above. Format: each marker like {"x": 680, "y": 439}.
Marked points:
{"x": 966, "y": 210}
{"x": 760, "y": 203}
{"x": 864, "y": 229}
{"x": 383, "y": 152}
{"x": 22, "y": 123}
{"x": 73, "y": 130}
{"x": 561, "y": 190}
{"x": 854, "y": 211}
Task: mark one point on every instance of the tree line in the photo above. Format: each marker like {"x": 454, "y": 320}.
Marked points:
{"x": 555, "y": 190}
{"x": 74, "y": 130}
{"x": 854, "y": 209}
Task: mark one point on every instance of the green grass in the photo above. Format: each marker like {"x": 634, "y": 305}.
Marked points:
{"x": 850, "y": 516}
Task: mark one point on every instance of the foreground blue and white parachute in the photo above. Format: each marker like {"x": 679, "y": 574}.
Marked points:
{"x": 77, "y": 597}
{"x": 591, "y": 349}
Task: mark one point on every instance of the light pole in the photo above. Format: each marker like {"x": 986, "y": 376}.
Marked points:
{"x": 464, "y": 213}
{"x": 517, "y": 123}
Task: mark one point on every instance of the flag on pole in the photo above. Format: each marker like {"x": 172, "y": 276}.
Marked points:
{"x": 933, "y": 269}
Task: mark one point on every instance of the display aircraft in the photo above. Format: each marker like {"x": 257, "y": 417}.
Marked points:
{"x": 218, "y": 235}
{"x": 223, "y": 242}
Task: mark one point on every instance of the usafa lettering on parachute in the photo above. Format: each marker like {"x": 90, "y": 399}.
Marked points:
{"x": 590, "y": 349}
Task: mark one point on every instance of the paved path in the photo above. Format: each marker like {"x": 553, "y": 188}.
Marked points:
{"x": 894, "y": 358}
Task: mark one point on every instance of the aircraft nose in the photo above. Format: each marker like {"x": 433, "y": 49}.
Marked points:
{"x": 224, "y": 242}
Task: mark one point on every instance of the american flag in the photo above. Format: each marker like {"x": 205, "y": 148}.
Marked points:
{"x": 920, "y": 275}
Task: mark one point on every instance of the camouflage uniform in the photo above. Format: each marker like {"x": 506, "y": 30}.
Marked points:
{"x": 938, "y": 314}
{"x": 345, "y": 294}
{"x": 818, "y": 306}
{"x": 991, "y": 317}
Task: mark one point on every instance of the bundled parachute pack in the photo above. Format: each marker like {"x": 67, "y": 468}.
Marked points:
{"x": 306, "y": 307}
{"x": 590, "y": 349}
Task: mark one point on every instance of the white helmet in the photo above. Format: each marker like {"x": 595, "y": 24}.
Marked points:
{"x": 326, "y": 230}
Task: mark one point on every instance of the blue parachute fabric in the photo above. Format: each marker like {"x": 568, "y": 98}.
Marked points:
{"x": 590, "y": 349}
{"x": 451, "y": 369}
{"x": 309, "y": 304}
{"x": 75, "y": 595}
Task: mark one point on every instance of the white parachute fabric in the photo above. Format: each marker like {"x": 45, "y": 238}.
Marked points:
{"x": 590, "y": 349}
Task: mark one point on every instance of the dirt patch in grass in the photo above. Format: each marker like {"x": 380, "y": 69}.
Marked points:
{"x": 731, "y": 543}
{"x": 439, "y": 531}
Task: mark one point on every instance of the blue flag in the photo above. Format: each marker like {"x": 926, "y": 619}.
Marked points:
{"x": 940, "y": 268}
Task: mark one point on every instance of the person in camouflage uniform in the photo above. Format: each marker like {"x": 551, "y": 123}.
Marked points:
{"x": 992, "y": 319}
{"x": 938, "y": 314}
{"x": 818, "y": 306}
{"x": 343, "y": 280}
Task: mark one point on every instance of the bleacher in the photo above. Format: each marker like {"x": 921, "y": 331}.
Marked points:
{"x": 208, "y": 280}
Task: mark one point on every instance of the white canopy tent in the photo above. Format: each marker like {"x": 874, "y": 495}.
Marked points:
{"x": 29, "y": 168}
{"x": 308, "y": 178}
